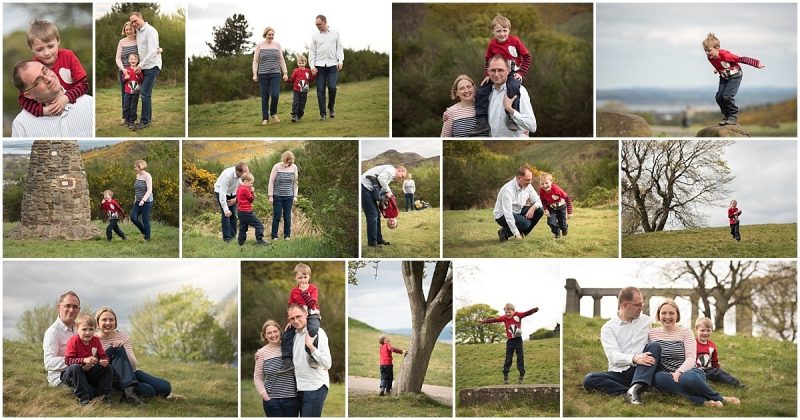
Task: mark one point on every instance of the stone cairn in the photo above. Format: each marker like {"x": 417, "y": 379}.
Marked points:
{"x": 55, "y": 204}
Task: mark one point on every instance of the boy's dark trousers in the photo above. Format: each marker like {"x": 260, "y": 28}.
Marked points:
{"x": 387, "y": 377}
{"x": 287, "y": 343}
{"x": 299, "y": 103}
{"x": 130, "y": 101}
{"x": 88, "y": 385}
{"x": 719, "y": 375}
{"x": 514, "y": 345}
{"x": 725, "y": 97}
{"x": 113, "y": 226}
{"x": 248, "y": 218}
{"x": 735, "y": 231}
{"x": 485, "y": 92}
{"x": 557, "y": 220}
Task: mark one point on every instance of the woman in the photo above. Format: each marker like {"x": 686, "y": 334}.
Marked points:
{"x": 278, "y": 390}
{"x": 459, "y": 119}
{"x": 678, "y": 374}
{"x": 125, "y": 47}
{"x": 268, "y": 65}
{"x": 408, "y": 190}
{"x": 283, "y": 193}
{"x": 143, "y": 199}
{"x": 120, "y": 354}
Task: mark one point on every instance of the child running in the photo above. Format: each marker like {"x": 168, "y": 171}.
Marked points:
{"x": 557, "y": 204}
{"x": 513, "y": 326}
{"x": 733, "y": 219}
{"x": 387, "y": 368}
{"x": 113, "y": 213}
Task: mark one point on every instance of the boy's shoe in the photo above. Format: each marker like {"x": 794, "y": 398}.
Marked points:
{"x": 501, "y": 235}
{"x": 384, "y": 243}
{"x": 294, "y": 119}
{"x": 724, "y": 121}
{"x": 286, "y": 366}
{"x": 130, "y": 395}
{"x": 510, "y": 124}
{"x": 481, "y": 128}
{"x": 131, "y": 125}
{"x": 262, "y": 243}
{"x": 264, "y": 122}
{"x": 383, "y": 392}
{"x": 732, "y": 121}
{"x": 564, "y": 232}
{"x": 275, "y": 119}
{"x": 288, "y": 238}
{"x": 521, "y": 379}
{"x": 332, "y": 113}
{"x": 505, "y": 379}
{"x": 312, "y": 362}
{"x": 375, "y": 245}
{"x": 142, "y": 126}
{"x": 84, "y": 402}
{"x": 322, "y": 117}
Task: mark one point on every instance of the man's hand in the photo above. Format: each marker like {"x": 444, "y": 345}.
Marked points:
{"x": 314, "y": 71}
{"x": 310, "y": 341}
{"x": 231, "y": 202}
{"x": 508, "y": 104}
{"x": 104, "y": 362}
{"x": 518, "y": 76}
{"x": 228, "y": 213}
{"x": 57, "y": 106}
{"x": 645, "y": 359}
{"x": 485, "y": 80}
{"x": 389, "y": 194}
{"x": 339, "y": 67}
{"x": 531, "y": 211}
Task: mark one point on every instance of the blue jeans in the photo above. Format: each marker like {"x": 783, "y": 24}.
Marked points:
{"x": 617, "y": 383}
{"x": 326, "y": 77}
{"x": 524, "y": 225}
{"x": 387, "y": 377}
{"x": 270, "y": 85}
{"x": 124, "y": 375}
{"x": 282, "y": 407}
{"x": 282, "y": 208}
{"x": 148, "y": 82}
{"x": 313, "y": 402}
{"x": 692, "y": 385}
{"x": 409, "y": 199}
{"x": 130, "y": 102}
{"x": 299, "y": 103}
{"x": 144, "y": 212}
{"x": 150, "y": 386}
{"x": 373, "y": 216}
{"x": 557, "y": 220}
{"x": 228, "y": 222}
{"x": 725, "y": 96}
{"x": 248, "y": 218}
{"x": 735, "y": 231}
{"x": 88, "y": 385}
{"x": 514, "y": 345}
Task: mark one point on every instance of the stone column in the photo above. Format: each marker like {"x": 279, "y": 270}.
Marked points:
{"x": 596, "y": 307}
{"x": 573, "y": 297}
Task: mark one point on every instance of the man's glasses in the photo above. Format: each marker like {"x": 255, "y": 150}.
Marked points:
{"x": 40, "y": 79}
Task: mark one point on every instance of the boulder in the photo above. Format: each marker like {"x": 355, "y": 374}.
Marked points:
{"x": 618, "y": 124}
{"x": 723, "y": 131}
{"x": 508, "y": 393}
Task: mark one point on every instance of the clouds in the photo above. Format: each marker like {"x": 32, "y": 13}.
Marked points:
{"x": 425, "y": 148}
{"x": 382, "y": 301}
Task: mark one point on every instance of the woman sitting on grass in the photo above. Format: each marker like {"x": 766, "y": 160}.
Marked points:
{"x": 277, "y": 386}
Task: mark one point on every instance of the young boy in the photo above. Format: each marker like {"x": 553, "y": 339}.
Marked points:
{"x": 389, "y": 211}
{"x": 708, "y": 355}
{"x": 733, "y": 219}
{"x": 557, "y": 204}
{"x": 387, "y": 367}
{"x": 245, "y": 195}
{"x": 513, "y": 325}
{"x": 300, "y": 79}
{"x": 113, "y": 213}
{"x": 44, "y": 41}
{"x": 86, "y": 350}
{"x": 305, "y": 294}
{"x": 133, "y": 81}
{"x": 511, "y": 48}
{"x": 726, "y": 64}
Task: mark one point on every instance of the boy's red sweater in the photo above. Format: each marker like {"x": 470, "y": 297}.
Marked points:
{"x": 386, "y": 354}
{"x": 76, "y": 350}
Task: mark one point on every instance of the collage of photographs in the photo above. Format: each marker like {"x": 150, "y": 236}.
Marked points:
{"x": 235, "y": 209}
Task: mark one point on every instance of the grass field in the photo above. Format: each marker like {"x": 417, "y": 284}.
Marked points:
{"x": 163, "y": 244}
{"x": 210, "y": 389}
{"x": 772, "y": 381}
{"x": 473, "y": 233}
{"x": 168, "y": 119}
{"x": 786, "y": 129}
{"x": 199, "y": 244}
{"x": 362, "y": 110}
{"x": 253, "y": 407}
{"x": 417, "y": 236}
{"x": 758, "y": 241}
{"x": 405, "y": 405}
{"x": 482, "y": 365}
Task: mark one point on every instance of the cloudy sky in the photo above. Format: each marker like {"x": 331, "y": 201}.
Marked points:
{"x": 524, "y": 283}
{"x": 293, "y": 23}
{"x": 425, "y": 148}
{"x": 123, "y": 285}
{"x": 165, "y": 7}
{"x": 24, "y": 146}
{"x": 659, "y": 45}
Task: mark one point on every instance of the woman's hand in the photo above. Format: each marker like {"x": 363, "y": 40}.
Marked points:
{"x": 295, "y": 200}
{"x": 285, "y": 78}
{"x": 485, "y": 79}
{"x": 104, "y": 362}
{"x": 141, "y": 203}
{"x": 265, "y": 397}
{"x": 255, "y": 78}
{"x": 676, "y": 376}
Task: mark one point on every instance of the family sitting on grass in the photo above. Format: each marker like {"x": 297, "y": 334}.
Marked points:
{"x": 668, "y": 358}
{"x": 93, "y": 359}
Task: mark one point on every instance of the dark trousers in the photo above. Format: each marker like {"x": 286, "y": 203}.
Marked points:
{"x": 524, "y": 225}
{"x": 148, "y": 82}
{"x": 121, "y": 77}
{"x": 725, "y": 96}
{"x": 299, "y": 103}
{"x": 373, "y": 217}
{"x": 287, "y": 342}
{"x": 270, "y": 86}
{"x": 617, "y": 383}
{"x": 228, "y": 222}
{"x": 735, "y": 231}
{"x": 557, "y": 220}
{"x": 387, "y": 377}
{"x": 113, "y": 226}
{"x": 282, "y": 407}
{"x": 248, "y": 218}
{"x": 150, "y": 386}
{"x": 514, "y": 345}
{"x": 313, "y": 401}
{"x": 409, "y": 199}
{"x": 282, "y": 208}
{"x": 485, "y": 92}
{"x": 691, "y": 385}
{"x": 719, "y": 375}
{"x": 123, "y": 373}
{"x": 130, "y": 101}
{"x": 142, "y": 212}
{"x": 326, "y": 77}
{"x": 88, "y": 385}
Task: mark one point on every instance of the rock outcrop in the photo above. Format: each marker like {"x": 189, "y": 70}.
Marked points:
{"x": 617, "y": 124}
{"x": 723, "y": 131}
{"x": 508, "y": 393}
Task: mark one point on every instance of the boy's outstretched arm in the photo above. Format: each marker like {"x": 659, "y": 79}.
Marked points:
{"x": 532, "y": 311}
{"x": 751, "y": 62}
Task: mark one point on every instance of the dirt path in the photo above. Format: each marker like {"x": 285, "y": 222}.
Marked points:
{"x": 359, "y": 384}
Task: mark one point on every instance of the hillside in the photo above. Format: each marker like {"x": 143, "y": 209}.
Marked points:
{"x": 393, "y": 157}
{"x": 758, "y": 241}
{"x": 772, "y": 382}
{"x": 555, "y": 152}
{"x": 115, "y": 152}
{"x": 230, "y": 152}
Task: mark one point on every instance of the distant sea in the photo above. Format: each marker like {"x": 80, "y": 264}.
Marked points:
{"x": 23, "y": 147}
{"x": 445, "y": 336}
{"x": 699, "y": 99}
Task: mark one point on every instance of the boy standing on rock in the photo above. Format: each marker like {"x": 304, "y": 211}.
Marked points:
{"x": 726, "y": 64}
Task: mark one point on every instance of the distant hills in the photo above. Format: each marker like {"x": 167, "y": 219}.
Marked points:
{"x": 670, "y": 100}
{"x": 395, "y": 158}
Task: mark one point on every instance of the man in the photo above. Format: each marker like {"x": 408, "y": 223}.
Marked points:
{"x": 225, "y": 189}
{"x": 36, "y": 81}
{"x": 312, "y": 383}
{"x": 378, "y": 178}
{"x": 75, "y": 376}
{"x": 326, "y": 58}
{"x": 149, "y": 64}
{"x": 630, "y": 369}
{"x": 500, "y": 103}
{"x": 518, "y": 207}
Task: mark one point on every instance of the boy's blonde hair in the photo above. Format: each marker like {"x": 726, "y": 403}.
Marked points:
{"x": 545, "y": 175}
{"x": 509, "y": 306}
{"x": 268, "y": 323}
{"x": 302, "y": 269}
{"x": 301, "y": 59}
{"x": 42, "y": 30}
{"x": 454, "y": 89}
{"x": 382, "y": 338}
{"x": 109, "y": 192}
{"x": 101, "y": 311}
{"x": 500, "y": 20}
{"x": 704, "y": 322}
{"x": 734, "y": 203}
{"x": 85, "y": 319}
{"x": 247, "y": 176}
{"x": 711, "y": 41}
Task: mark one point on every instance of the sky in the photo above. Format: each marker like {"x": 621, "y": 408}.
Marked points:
{"x": 24, "y": 146}
{"x": 524, "y": 283}
{"x": 425, "y": 148}
{"x": 165, "y": 7}
{"x": 17, "y": 17}
{"x": 293, "y": 23}
{"x": 122, "y": 285}
{"x": 659, "y": 45}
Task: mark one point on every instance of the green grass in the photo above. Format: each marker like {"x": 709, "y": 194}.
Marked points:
{"x": 168, "y": 113}
{"x": 199, "y": 244}
{"x": 785, "y": 129}
{"x": 759, "y": 241}
{"x": 482, "y": 365}
{"x": 473, "y": 233}
{"x": 362, "y": 110}
{"x": 772, "y": 380}
{"x": 405, "y": 405}
{"x": 417, "y": 235}
{"x": 163, "y": 244}
{"x": 210, "y": 389}
{"x": 363, "y": 356}
{"x": 253, "y": 407}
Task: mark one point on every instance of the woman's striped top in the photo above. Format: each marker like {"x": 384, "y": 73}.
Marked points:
{"x": 266, "y": 377}
{"x": 268, "y": 59}
{"x": 678, "y": 348}
{"x": 283, "y": 180}
{"x": 458, "y": 120}
{"x": 125, "y": 48}
{"x": 120, "y": 338}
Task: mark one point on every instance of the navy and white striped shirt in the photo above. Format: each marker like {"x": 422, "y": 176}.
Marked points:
{"x": 266, "y": 377}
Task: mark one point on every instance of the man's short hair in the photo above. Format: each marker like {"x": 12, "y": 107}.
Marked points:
{"x": 500, "y": 57}
{"x": 322, "y": 18}
{"x": 68, "y": 293}
{"x": 626, "y": 295}
{"x": 137, "y": 14}
{"x": 240, "y": 166}
{"x": 16, "y": 78}
{"x": 523, "y": 169}
{"x": 296, "y": 306}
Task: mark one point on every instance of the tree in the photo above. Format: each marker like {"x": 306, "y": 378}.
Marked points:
{"x": 469, "y": 331}
{"x": 146, "y": 9}
{"x": 666, "y": 181}
{"x": 231, "y": 38}
{"x": 775, "y": 304}
{"x": 34, "y": 322}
